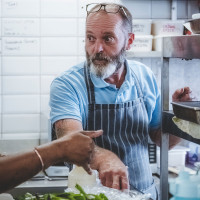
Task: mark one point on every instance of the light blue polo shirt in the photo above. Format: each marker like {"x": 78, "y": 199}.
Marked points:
{"x": 69, "y": 100}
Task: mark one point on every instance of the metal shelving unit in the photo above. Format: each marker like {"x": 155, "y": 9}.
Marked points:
{"x": 185, "y": 47}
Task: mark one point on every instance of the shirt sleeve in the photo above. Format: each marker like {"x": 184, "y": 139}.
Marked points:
{"x": 64, "y": 102}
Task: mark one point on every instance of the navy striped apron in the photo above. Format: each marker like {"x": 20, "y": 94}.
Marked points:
{"x": 125, "y": 132}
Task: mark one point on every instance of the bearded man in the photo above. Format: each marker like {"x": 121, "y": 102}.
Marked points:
{"x": 108, "y": 92}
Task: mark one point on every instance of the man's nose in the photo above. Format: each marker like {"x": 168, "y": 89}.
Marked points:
{"x": 98, "y": 47}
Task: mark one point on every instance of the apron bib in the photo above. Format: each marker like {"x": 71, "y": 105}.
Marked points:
{"x": 125, "y": 132}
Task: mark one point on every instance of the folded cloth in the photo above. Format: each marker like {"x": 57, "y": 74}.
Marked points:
{"x": 190, "y": 128}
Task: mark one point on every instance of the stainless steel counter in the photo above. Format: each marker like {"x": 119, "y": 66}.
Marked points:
{"x": 39, "y": 186}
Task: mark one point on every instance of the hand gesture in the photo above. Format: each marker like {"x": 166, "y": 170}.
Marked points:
{"x": 183, "y": 94}
{"x": 77, "y": 148}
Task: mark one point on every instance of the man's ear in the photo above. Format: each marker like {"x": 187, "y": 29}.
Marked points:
{"x": 131, "y": 37}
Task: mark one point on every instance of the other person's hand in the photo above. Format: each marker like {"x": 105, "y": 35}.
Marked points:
{"x": 183, "y": 94}
{"x": 78, "y": 147}
{"x": 114, "y": 174}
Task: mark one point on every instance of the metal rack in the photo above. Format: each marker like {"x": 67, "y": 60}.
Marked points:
{"x": 185, "y": 47}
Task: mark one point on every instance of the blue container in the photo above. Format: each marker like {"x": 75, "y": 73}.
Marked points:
{"x": 185, "y": 187}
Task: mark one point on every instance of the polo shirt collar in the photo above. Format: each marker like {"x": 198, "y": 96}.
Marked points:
{"x": 100, "y": 83}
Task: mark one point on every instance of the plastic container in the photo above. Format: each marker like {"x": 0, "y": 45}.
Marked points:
{"x": 185, "y": 187}
{"x": 176, "y": 156}
{"x": 194, "y": 153}
{"x": 167, "y": 27}
{"x": 57, "y": 171}
{"x": 157, "y": 43}
{"x": 79, "y": 176}
{"x": 141, "y": 27}
{"x": 142, "y": 43}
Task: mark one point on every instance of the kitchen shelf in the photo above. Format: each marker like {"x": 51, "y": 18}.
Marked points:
{"x": 170, "y": 127}
{"x": 184, "y": 47}
{"x": 150, "y": 54}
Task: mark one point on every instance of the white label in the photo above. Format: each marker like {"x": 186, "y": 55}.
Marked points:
{"x": 20, "y": 8}
{"x": 21, "y": 46}
{"x": 20, "y": 27}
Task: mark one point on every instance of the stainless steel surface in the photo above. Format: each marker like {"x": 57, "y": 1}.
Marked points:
{"x": 165, "y": 84}
{"x": 164, "y": 166}
{"x": 174, "y": 10}
{"x": 152, "y": 54}
{"x": 165, "y": 136}
{"x": 39, "y": 178}
{"x": 189, "y": 110}
{"x": 187, "y": 47}
{"x": 40, "y": 186}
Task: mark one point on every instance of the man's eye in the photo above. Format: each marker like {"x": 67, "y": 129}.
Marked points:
{"x": 90, "y": 38}
{"x": 108, "y": 39}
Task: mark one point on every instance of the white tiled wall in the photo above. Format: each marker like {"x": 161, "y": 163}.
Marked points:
{"x": 40, "y": 39}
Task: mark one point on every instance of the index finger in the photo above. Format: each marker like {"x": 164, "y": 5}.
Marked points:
{"x": 187, "y": 90}
{"x": 124, "y": 183}
{"x": 92, "y": 134}
{"x": 87, "y": 168}
{"x": 177, "y": 94}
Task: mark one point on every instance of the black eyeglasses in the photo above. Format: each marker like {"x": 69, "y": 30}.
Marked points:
{"x": 109, "y": 8}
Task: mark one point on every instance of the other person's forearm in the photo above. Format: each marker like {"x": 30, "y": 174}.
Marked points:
{"x": 77, "y": 148}
{"x": 15, "y": 169}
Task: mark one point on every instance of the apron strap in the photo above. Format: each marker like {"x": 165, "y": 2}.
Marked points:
{"x": 89, "y": 85}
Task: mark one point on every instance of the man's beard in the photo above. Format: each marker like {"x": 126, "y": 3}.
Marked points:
{"x": 105, "y": 70}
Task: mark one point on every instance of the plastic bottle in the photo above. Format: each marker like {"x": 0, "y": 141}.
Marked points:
{"x": 79, "y": 176}
{"x": 193, "y": 153}
{"x": 185, "y": 187}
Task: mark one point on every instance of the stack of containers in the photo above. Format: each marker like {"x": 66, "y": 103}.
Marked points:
{"x": 143, "y": 37}
{"x": 163, "y": 28}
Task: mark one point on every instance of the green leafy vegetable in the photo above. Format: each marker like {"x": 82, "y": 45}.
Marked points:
{"x": 64, "y": 196}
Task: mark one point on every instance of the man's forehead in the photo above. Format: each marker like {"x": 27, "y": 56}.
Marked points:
{"x": 101, "y": 18}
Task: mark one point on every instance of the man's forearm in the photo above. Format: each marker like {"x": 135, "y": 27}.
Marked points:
{"x": 112, "y": 171}
{"x": 65, "y": 126}
{"x": 102, "y": 155}
{"x": 156, "y": 138}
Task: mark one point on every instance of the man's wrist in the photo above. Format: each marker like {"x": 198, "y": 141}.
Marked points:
{"x": 100, "y": 156}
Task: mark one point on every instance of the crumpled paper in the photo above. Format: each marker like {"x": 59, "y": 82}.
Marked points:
{"x": 190, "y": 128}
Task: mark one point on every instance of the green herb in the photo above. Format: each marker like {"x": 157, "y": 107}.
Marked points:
{"x": 64, "y": 196}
